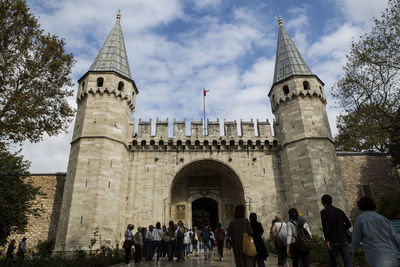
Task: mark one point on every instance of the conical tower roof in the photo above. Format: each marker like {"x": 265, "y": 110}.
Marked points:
{"x": 112, "y": 56}
{"x": 288, "y": 61}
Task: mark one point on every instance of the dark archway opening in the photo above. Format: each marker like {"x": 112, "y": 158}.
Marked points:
{"x": 204, "y": 212}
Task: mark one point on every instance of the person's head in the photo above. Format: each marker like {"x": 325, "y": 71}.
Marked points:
{"x": 239, "y": 212}
{"x": 326, "y": 200}
{"x": 278, "y": 218}
{"x": 158, "y": 225}
{"x": 164, "y": 227}
{"x": 131, "y": 227}
{"x": 195, "y": 228}
{"x": 253, "y": 217}
{"x": 171, "y": 224}
{"x": 366, "y": 203}
{"x": 219, "y": 225}
{"x": 12, "y": 241}
{"x": 180, "y": 223}
{"x": 151, "y": 227}
{"x": 139, "y": 229}
{"x": 293, "y": 214}
{"x": 24, "y": 239}
{"x": 144, "y": 230}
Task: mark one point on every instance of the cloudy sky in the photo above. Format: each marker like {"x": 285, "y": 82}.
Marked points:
{"x": 178, "y": 47}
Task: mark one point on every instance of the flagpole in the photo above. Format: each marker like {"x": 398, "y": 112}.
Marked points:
{"x": 204, "y": 111}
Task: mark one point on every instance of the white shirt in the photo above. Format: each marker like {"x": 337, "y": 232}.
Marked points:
{"x": 149, "y": 235}
{"x": 128, "y": 235}
{"x": 292, "y": 231}
{"x": 283, "y": 232}
{"x": 158, "y": 234}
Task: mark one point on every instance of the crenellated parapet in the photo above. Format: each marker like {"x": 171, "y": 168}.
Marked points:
{"x": 108, "y": 91}
{"x": 197, "y": 140}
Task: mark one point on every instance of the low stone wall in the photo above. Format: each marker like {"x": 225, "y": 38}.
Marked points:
{"x": 45, "y": 226}
{"x": 364, "y": 171}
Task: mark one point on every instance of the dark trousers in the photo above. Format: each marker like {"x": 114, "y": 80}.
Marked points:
{"x": 220, "y": 248}
{"x": 282, "y": 255}
{"x": 259, "y": 261}
{"x": 137, "y": 253}
{"x": 148, "y": 250}
{"x": 299, "y": 256}
{"x": 180, "y": 249}
{"x": 157, "y": 247}
{"x": 127, "y": 254}
{"x": 170, "y": 249}
{"x": 343, "y": 249}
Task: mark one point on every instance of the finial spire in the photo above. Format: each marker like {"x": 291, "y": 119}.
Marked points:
{"x": 119, "y": 15}
{"x": 279, "y": 20}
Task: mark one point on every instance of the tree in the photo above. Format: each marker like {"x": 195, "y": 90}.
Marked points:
{"x": 34, "y": 77}
{"x": 368, "y": 91}
{"x": 16, "y": 195}
{"x": 389, "y": 206}
{"x": 34, "y": 87}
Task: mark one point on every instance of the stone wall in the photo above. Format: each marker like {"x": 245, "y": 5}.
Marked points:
{"x": 45, "y": 226}
{"x": 357, "y": 169}
{"x": 368, "y": 169}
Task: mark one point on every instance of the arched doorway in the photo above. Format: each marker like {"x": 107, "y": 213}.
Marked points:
{"x": 205, "y": 191}
{"x": 205, "y": 212}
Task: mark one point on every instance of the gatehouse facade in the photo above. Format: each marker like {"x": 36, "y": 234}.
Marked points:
{"x": 118, "y": 175}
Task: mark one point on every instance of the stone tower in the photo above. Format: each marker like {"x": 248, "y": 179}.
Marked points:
{"x": 94, "y": 197}
{"x": 308, "y": 157}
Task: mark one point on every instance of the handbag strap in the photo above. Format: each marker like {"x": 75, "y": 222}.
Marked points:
{"x": 279, "y": 229}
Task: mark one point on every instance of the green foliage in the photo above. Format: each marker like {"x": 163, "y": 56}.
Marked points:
{"x": 389, "y": 206}
{"x": 44, "y": 248}
{"x": 16, "y": 194}
{"x": 368, "y": 91}
{"x": 106, "y": 256}
{"x": 34, "y": 77}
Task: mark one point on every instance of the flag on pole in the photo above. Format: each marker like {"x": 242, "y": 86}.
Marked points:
{"x": 205, "y": 92}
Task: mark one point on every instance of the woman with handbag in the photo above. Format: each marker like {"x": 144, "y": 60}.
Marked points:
{"x": 239, "y": 229}
{"x": 279, "y": 234}
{"x": 258, "y": 231}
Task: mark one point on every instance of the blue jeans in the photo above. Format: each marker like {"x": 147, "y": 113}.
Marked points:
{"x": 343, "y": 249}
{"x": 209, "y": 246}
{"x": 157, "y": 246}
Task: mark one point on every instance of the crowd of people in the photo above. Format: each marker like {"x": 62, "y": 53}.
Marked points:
{"x": 175, "y": 242}
{"x": 291, "y": 239}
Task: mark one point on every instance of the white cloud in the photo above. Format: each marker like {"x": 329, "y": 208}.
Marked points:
{"x": 361, "y": 11}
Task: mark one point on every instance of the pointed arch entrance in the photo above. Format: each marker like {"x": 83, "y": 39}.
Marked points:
{"x": 205, "y": 191}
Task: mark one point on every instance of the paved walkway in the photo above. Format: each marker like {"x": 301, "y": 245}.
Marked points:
{"x": 194, "y": 261}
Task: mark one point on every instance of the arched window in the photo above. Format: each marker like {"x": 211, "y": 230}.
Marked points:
{"x": 100, "y": 82}
{"x": 143, "y": 143}
{"x": 161, "y": 143}
{"x": 121, "y": 86}
{"x": 152, "y": 143}
{"x": 205, "y": 143}
{"x": 306, "y": 85}
{"x": 285, "y": 89}
{"x": 231, "y": 143}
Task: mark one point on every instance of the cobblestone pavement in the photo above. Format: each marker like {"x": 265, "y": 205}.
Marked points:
{"x": 194, "y": 261}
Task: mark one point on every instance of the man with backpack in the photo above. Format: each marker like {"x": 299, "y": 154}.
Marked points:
{"x": 298, "y": 239}
{"x": 335, "y": 225}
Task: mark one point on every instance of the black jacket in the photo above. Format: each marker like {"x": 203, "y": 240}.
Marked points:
{"x": 334, "y": 224}
{"x": 258, "y": 230}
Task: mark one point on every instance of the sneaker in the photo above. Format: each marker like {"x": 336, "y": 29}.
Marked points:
{"x": 222, "y": 259}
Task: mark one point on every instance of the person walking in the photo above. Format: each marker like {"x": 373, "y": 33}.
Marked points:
{"x": 236, "y": 228}
{"x": 144, "y": 248}
{"x": 138, "y": 243}
{"x": 258, "y": 231}
{"x": 169, "y": 239}
{"x": 10, "y": 251}
{"x": 279, "y": 235}
{"x": 377, "y": 235}
{"x": 163, "y": 244}
{"x": 228, "y": 240}
{"x": 128, "y": 243}
{"x": 335, "y": 225}
{"x": 295, "y": 222}
{"x": 148, "y": 244}
{"x": 186, "y": 243}
{"x": 205, "y": 235}
{"x": 157, "y": 238}
{"x": 180, "y": 235}
{"x": 21, "y": 249}
{"x": 220, "y": 237}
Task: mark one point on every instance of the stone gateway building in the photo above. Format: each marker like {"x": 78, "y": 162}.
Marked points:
{"x": 115, "y": 177}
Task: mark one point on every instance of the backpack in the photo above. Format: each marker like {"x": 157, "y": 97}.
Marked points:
{"x": 303, "y": 240}
{"x": 180, "y": 234}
